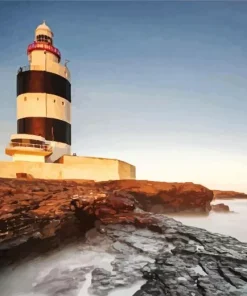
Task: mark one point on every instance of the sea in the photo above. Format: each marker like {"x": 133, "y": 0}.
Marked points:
{"x": 231, "y": 224}
{"x": 20, "y": 280}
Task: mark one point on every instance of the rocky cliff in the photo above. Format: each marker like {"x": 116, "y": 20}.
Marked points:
{"x": 162, "y": 197}
{"x": 220, "y": 194}
{"x": 36, "y": 216}
{"x": 37, "y": 209}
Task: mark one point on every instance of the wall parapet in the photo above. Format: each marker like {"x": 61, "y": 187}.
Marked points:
{"x": 73, "y": 167}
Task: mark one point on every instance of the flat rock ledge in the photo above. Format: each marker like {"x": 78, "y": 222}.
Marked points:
{"x": 187, "y": 261}
{"x": 221, "y": 194}
{"x": 172, "y": 258}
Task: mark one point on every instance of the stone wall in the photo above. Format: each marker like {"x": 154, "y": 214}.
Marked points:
{"x": 126, "y": 171}
{"x": 71, "y": 167}
{"x": 36, "y": 169}
{"x": 92, "y": 168}
{"x": 33, "y": 158}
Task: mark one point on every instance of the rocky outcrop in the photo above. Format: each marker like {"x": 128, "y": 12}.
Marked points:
{"x": 35, "y": 210}
{"x": 168, "y": 257}
{"x": 221, "y": 208}
{"x": 162, "y": 197}
{"x": 41, "y": 208}
{"x": 176, "y": 260}
{"x": 219, "y": 194}
{"x": 173, "y": 259}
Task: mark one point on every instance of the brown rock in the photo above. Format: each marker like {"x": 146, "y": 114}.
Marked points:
{"x": 50, "y": 229}
{"x": 121, "y": 203}
{"x": 104, "y": 211}
{"x": 33, "y": 212}
{"x": 220, "y": 194}
{"x": 163, "y": 197}
{"x": 220, "y": 208}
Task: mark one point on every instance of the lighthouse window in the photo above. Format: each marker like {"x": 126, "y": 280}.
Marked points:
{"x": 62, "y": 103}
{"x": 44, "y": 38}
{"x": 54, "y": 101}
{"x": 25, "y": 98}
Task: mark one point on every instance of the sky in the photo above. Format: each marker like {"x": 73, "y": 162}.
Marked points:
{"x": 161, "y": 85}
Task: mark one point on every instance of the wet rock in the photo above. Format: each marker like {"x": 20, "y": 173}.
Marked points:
{"x": 206, "y": 268}
{"x": 61, "y": 282}
{"x": 220, "y": 208}
{"x": 28, "y": 206}
{"x": 174, "y": 259}
{"x": 100, "y": 274}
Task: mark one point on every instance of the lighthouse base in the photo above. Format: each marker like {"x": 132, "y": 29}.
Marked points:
{"x": 71, "y": 167}
{"x": 26, "y": 147}
{"x": 27, "y": 154}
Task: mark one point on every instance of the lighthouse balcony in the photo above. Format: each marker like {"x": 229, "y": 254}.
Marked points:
{"x": 28, "y": 145}
{"x": 50, "y": 66}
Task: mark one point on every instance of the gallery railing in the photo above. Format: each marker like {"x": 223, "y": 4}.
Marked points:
{"x": 44, "y": 147}
{"x": 28, "y": 68}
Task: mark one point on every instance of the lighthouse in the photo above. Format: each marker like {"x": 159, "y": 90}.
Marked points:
{"x": 43, "y": 103}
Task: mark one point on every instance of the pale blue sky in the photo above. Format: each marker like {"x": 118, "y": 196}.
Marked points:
{"x": 161, "y": 85}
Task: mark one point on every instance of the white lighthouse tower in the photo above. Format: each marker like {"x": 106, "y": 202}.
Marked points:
{"x": 43, "y": 104}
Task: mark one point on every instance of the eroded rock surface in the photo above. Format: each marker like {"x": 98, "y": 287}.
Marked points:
{"x": 177, "y": 260}
{"x": 186, "y": 261}
{"x": 39, "y": 209}
{"x": 174, "y": 259}
{"x": 163, "y": 197}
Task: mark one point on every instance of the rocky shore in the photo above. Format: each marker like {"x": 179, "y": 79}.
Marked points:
{"x": 221, "y": 194}
{"x": 124, "y": 219}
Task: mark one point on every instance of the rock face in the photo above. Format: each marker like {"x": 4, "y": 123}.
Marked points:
{"x": 220, "y": 208}
{"x": 162, "y": 197}
{"x": 187, "y": 260}
{"x": 39, "y": 208}
{"x": 37, "y": 215}
{"x": 173, "y": 260}
{"x": 218, "y": 194}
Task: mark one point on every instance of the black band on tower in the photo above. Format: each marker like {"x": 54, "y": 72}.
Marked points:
{"x": 50, "y": 128}
{"x": 43, "y": 82}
